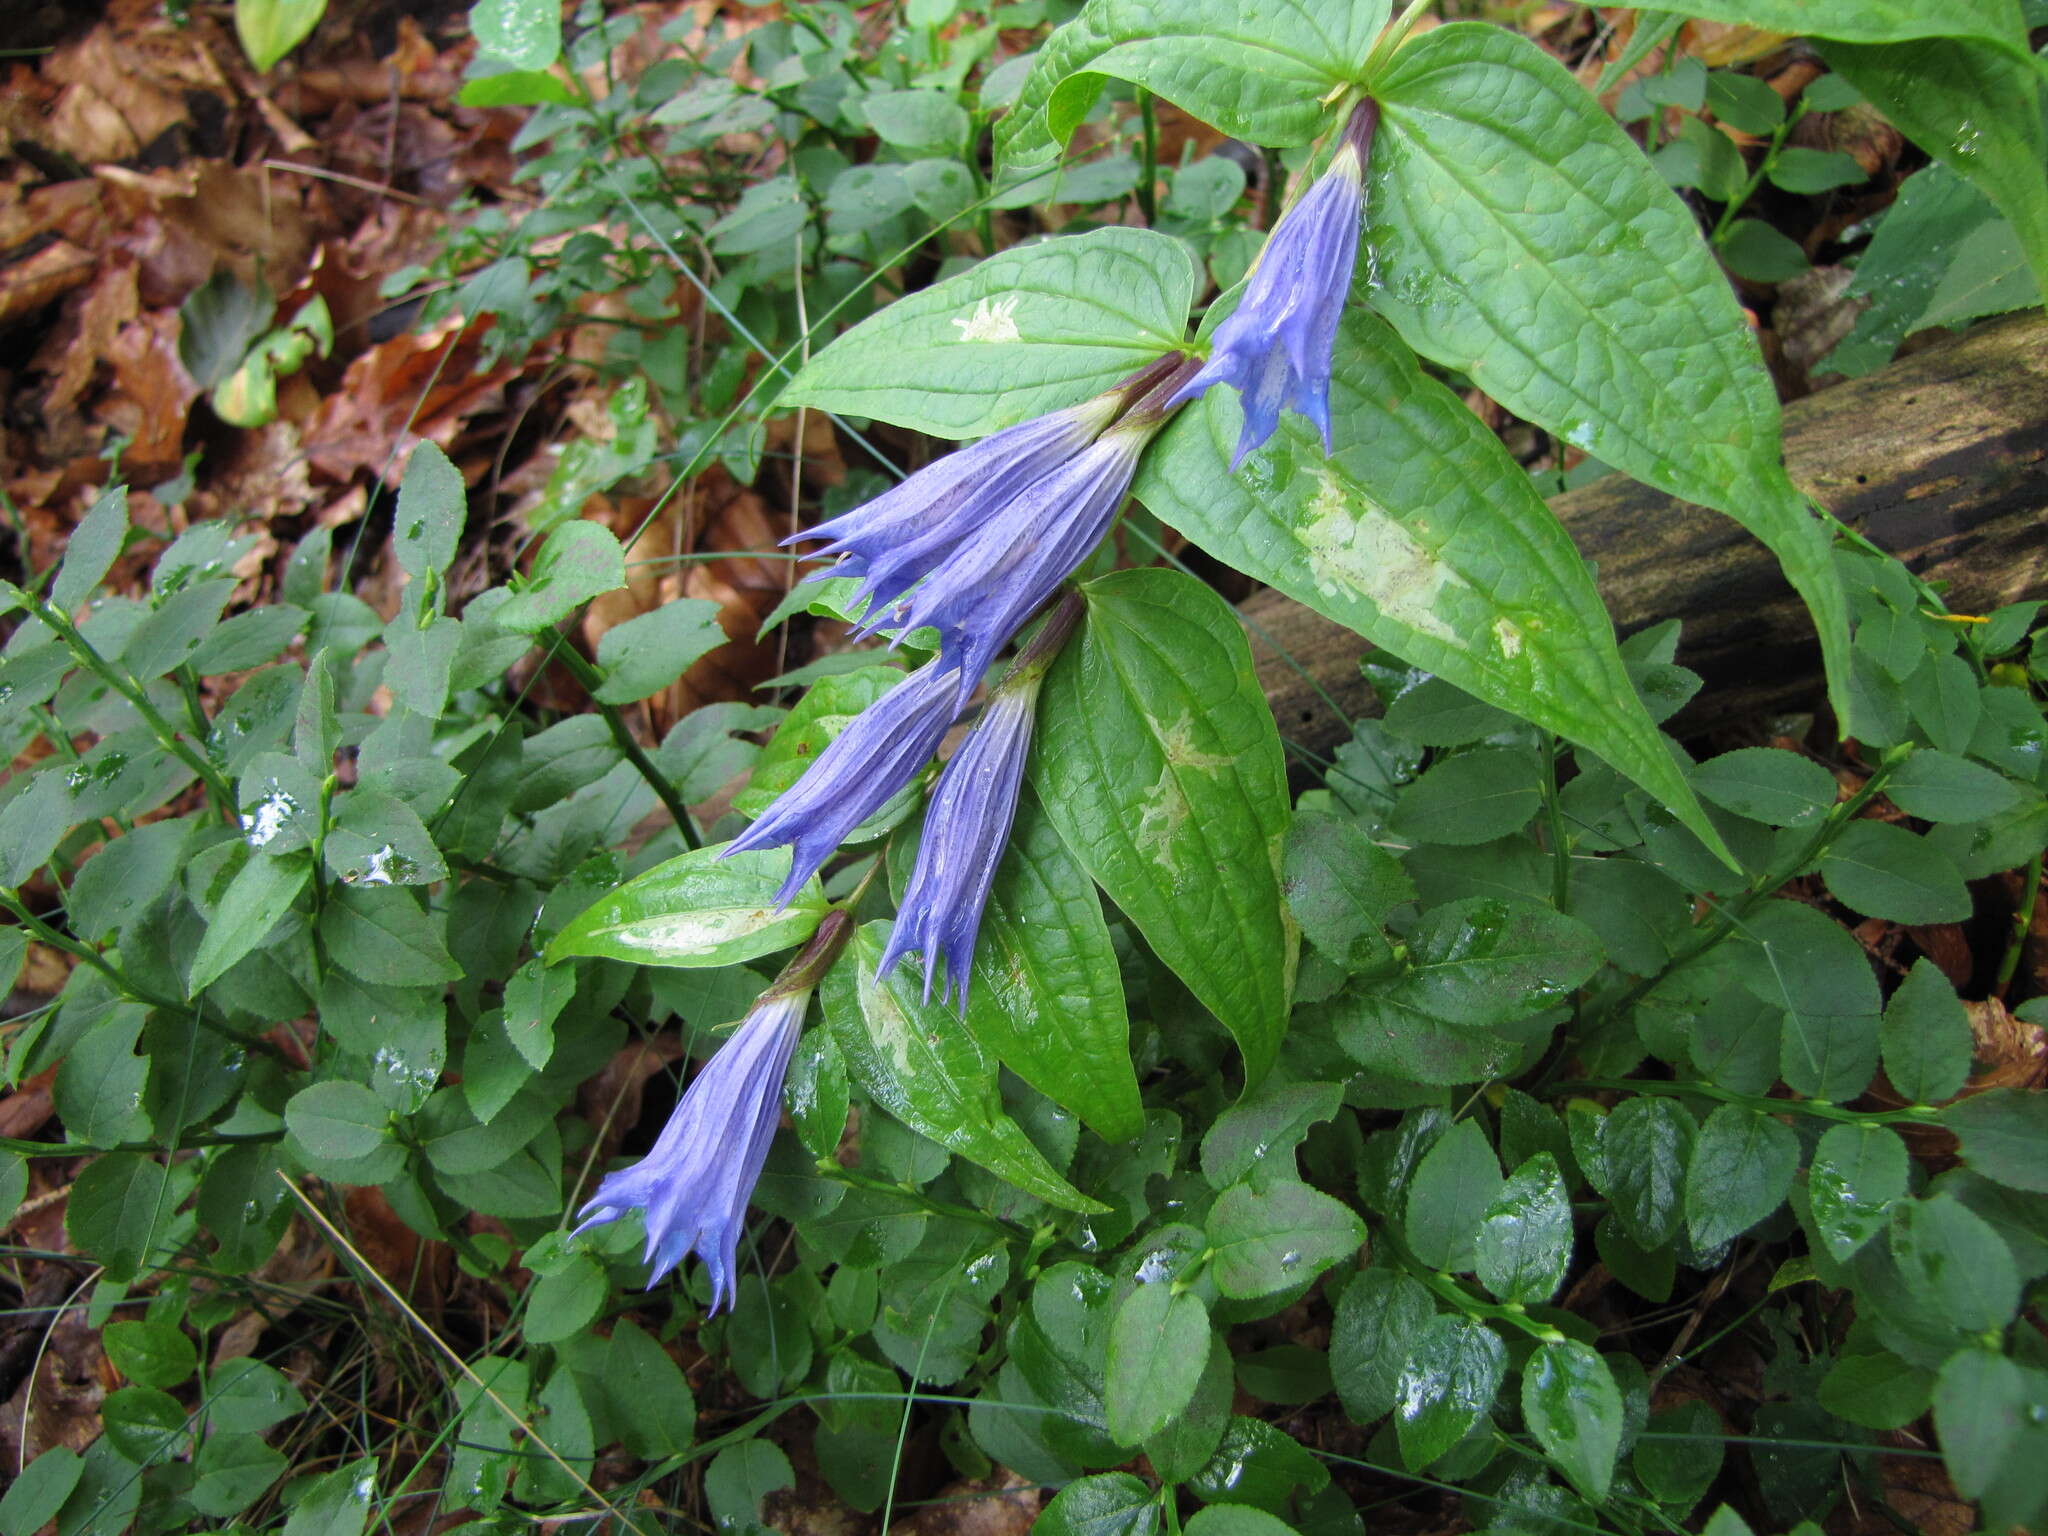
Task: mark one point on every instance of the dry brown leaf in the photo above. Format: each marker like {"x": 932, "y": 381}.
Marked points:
{"x": 50, "y": 273}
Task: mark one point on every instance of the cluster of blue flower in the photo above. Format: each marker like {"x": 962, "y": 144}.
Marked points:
{"x": 973, "y": 546}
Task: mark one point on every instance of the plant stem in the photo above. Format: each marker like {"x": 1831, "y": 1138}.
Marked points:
{"x": 1763, "y": 1105}
{"x": 1560, "y": 851}
{"x": 216, "y": 786}
{"x": 591, "y": 679}
{"x": 2022, "y": 925}
{"x": 1148, "y": 174}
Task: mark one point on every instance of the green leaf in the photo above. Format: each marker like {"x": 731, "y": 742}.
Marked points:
{"x": 1158, "y": 1348}
{"x": 1236, "y": 1520}
{"x": 1820, "y": 976}
{"x": 1939, "y": 786}
{"x": 1815, "y": 170}
{"x": 39, "y": 1490}
{"x": 99, "y": 1088}
{"x": 1382, "y": 1028}
{"x": 150, "y": 1354}
{"x": 340, "y": 1122}
{"x": 249, "y": 639}
{"x": 1633, "y": 348}
{"x": 1905, "y": 262}
{"x": 1048, "y": 999}
{"x": 739, "y": 1480}
{"x": 1644, "y": 1147}
{"x": 1989, "y": 276}
{"x": 231, "y": 1472}
{"x": 1454, "y": 1188}
{"x": 1956, "y": 1260}
{"x": 1264, "y": 74}
{"x": 1878, "y": 1391}
{"x": 527, "y": 34}
{"x": 1753, "y": 249}
{"x": 1742, "y": 1165}
{"x": 1926, "y": 1036}
{"x": 338, "y": 1503}
{"x": 1781, "y": 789}
{"x": 1974, "y": 107}
{"x": 916, "y": 120}
{"x": 696, "y": 910}
{"x": 1871, "y": 21}
{"x": 1454, "y": 1368}
{"x": 432, "y": 504}
{"x": 1377, "y": 1317}
{"x": 2004, "y": 1133}
{"x": 564, "y": 1302}
{"x": 1422, "y": 534}
{"x": 1256, "y": 1137}
{"x": 1475, "y": 797}
{"x": 1858, "y": 1172}
{"x": 535, "y": 996}
{"x": 117, "y": 1205}
{"x": 145, "y": 1425}
{"x": 643, "y": 656}
{"x": 1486, "y": 960}
{"x": 1108, "y": 1504}
{"x": 652, "y": 1406}
{"x": 1524, "y": 1244}
{"x": 1573, "y": 1408}
{"x": 92, "y": 548}
{"x": 1980, "y": 1400}
{"x": 277, "y": 800}
{"x": 1157, "y": 759}
{"x": 579, "y": 561}
{"x": 1882, "y": 870}
{"x": 377, "y": 840}
{"x": 247, "y": 1396}
{"x": 1269, "y": 1237}
{"x": 385, "y": 938}
{"x": 1341, "y": 885}
{"x": 919, "y": 1063}
{"x": 1679, "y": 1461}
{"x": 270, "y": 29}
{"x": 514, "y": 88}
{"x": 1030, "y": 330}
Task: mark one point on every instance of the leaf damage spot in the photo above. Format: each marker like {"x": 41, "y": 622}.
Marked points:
{"x": 990, "y": 321}
{"x": 1356, "y": 548}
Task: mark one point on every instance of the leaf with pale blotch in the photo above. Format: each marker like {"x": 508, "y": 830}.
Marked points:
{"x": 1422, "y": 534}
{"x": 698, "y": 909}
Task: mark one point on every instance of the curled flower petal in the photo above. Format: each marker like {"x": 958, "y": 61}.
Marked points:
{"x": 965, "y": 828}
{"x": 880, "y": 750}
{"x": 1275, "y": 347}
{"x": 983, "y": 592}
{"x": 693, "y": 1187}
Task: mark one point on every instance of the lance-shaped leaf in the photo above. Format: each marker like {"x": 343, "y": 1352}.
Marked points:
{"x": 1262, "y": 73}
{"x": 1158, "y": 761}
{"x": 1975, "y": 108}
{"x": 1874, "y": 21}
{"x": 1018, "y": 335}
{"x": 695, "y": 910}
{"x": 1048, "y": 999}
{"x": 1519, "y": 236}
{"x": 1424, "y": 536}
{"x": 918, "y": 1061}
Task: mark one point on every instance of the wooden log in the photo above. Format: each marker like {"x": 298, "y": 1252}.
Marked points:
{"x": 1938, "y": 458}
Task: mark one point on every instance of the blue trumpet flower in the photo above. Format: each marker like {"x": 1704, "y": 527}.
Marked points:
{"x": 1274, "y": 349}
{"x": 692, "y": 1188}
{"x": 877, "y": 754}
{"x": 968, "y": 821}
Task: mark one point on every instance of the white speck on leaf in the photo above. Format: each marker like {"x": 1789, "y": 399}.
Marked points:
{"x": 990, "y": 321}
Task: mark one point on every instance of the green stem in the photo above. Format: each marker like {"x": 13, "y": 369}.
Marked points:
{"x": 216, "y": 786}
{"x": 1741, "y": 199}
{"x": 2022, "y": 925}
{"x": 1553, "y": 813}
{"x": 1464, "y": 1300}
{"x": 1728, "y": 915}
{"x": 185, "y": 1143}
{"x": 87, "y": 955}
{"x": 1148, "y": 176}
{"x": 854, "y": 1179}
{"x": 591, "y": 679}
{"x": 1818, "y": 1108}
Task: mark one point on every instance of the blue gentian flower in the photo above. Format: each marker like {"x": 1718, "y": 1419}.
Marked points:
{"x": 692, "y": 1188}
{"x": 1275, "y": 347}
{"x": 895, "y": 539}
{"x": 968, "y": 822}
{"x": 880, "y": 750}
{"x": 976, "y": 542}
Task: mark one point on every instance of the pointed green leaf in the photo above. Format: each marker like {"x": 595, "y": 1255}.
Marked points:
{"x": 1024, "y": 332}
{"x": 1423, "y": 535}
{"x": 1158, "y": 1348}
{"x": 1525, "y": 1239}
{"x": 1858, "y": 1171}
{"x": 1455, "y": 1366}
{"x": 1742, "y": 1165}
{"x": 1157, "y": 759}
{"x": 1522, "y": 238}
{"x": 917, "y": 1061}
{"x": 1573, "y": 1408}
{"x": 698, "y": 909}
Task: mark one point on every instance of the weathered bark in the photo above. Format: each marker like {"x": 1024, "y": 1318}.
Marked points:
{"x": 1938, "y": 458}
